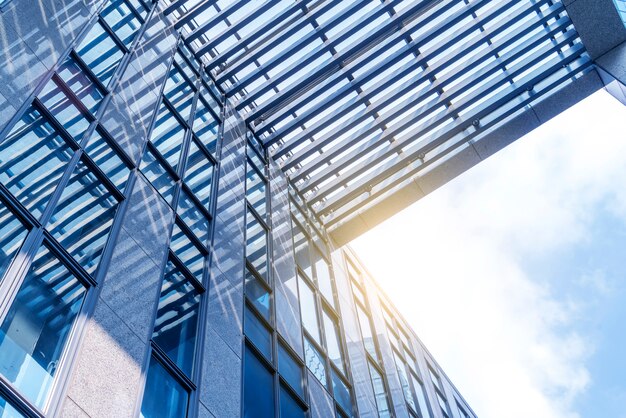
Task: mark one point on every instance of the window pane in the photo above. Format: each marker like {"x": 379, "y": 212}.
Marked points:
{"x": 163, "y": 397}
{"x": 324, "y": 280}
{"x": 187, "y": 252}
{"x": 179, "y": 92}
{"x": 193, "y": 217}
{"x": 160, "y": 178}
{"x": 258, "y": 388}
{"x": 421, "y": 397}
{"x": 168, "y": 135}
{"x": 205, "y": 126}
{"x": 64, "y": 110}
{"x": 12, "y": 233}
{"x": 7, "y": 410}
{"x": 308, "y": 308}
{"x": 301, "y": 247}
{"x": 121, "y": 19}
{"x": 199, "y": 174}
{"x": 177, "y": 318}
{"x": 32, "y": 160}
{"x": 333, "y": 347}
{"x": 315, "y": 361}
{"x": 80, "y": 83}
{"x": 256, "y": 245}
{"x": 341, "y": 393}
{"x": 258, "y": 294}
{"x": 258, "y": 333}
{"x": 34, "y": 332}
{"x": 289, "y": 407}
{"x": 255, "y": 192}
{"x": 83, "y": 217}
{"x": 404, "y": 381}
{"x": 104, "y": 155}
{"x": 379, "y": 393}
{"x": 100, "y": 53}
{"x": 290, "y": 370}
{"x": 366, "y": 331}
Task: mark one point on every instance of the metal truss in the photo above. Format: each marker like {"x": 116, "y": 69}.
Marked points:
{"x": 355, "y": 98}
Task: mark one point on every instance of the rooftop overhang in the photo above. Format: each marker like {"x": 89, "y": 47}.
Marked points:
{"x": 368, "y": 105}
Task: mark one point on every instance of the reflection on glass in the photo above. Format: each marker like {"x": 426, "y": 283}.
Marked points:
{"x": 308, "y": 308}
{"x": 204, "y": 125}
{"x": 289, "y": 407}
{"x": 301, "y": 246}
{"x": 79, "y": 82}
{"x": 34, "y": 331}
{"x": 187, "y": 252}
{"x": 324, "y": 280}
{"x": 256, "y": 245}
{"x": 421, "y": 397}
{"x": 83, "y": 217}
{"x": 379, "y": 392}
{"x": 64, "y": 110}
{"x": 105, "y": 157}
{"x": 12, "y": 233}
{"x": 366, "y": 331}
{"x": 258, "y": 388}
{"x": 199, "y": 174}
{"x": 160, "y": 178}
{"x": 255, "y": 191}
{"x": 314, "y": 361}
{"x": 332, "y": 342}
{"x": 404, "y": 381}
{"x": 193, "y": 217}
{"x": 341, "y": 393}
{"x": 290, "y": 370}
{"x": 100, "y": 52}
{"x": 32, "y": 159}
{"x": 176, "y": 323}
{"x": 258, "y": 333}
{"x": 167, "y": 136}
{"x": 163, "y": 396}
{"x": 258, "y": 294}
{"x": 179, "y": 92}
{"x": 7, "y": 410}
{"x": 122, "y": 20}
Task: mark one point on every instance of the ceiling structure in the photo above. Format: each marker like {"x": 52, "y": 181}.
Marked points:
{"x": 358, "y": 100}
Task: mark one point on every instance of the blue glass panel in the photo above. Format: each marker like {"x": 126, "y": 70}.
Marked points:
{"x": 100, "y": 52}
{"x": 380, "y": 393}
{"x": 187, "y": 252}
{"x": 176, "y": 324}
{"x": 163, "y": 396}
{"x": 168, "y": 135}
{"x": 122, "y": 20}
{"x": 333, "y": 347}
{"x": 160, "y": 178}
{"x": 193, "y": 217}
{"x": 258, "y": 388}
{"x": 301, "y": 247}
{"x": 199, "y": 174}
{"x": 34, "y": 332}
{"x": 7, "y": 410}
{"x": 255, "y": 192}
{"x": 258, "y": 294}
{"x": 341, "y": 393}
{"x": 322, "y": 274}
{"x": 64, "y": 110}
{"x": 80, "y": 83}
{"x": 32, "y": 159}
{"x": 12, "y": 233}
{"x": 179, "y": 92}
{"x": 258, "y": 333}
{"x": 256, "y": 245}
{"x": 205, "y": 125}
{"x": 83, "y": 217}
{"x": 315, "y": 362}
{"x": 289, "y": 407}
{"x": 308, "y": 308}
{"x": 105, "y": 156}
{"x": 290, "y": 370}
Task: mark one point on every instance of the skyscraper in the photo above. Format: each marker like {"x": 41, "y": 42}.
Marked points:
{"x": 178, "y": 180}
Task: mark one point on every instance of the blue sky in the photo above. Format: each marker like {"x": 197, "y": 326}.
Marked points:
{"x": 513, "y": 274}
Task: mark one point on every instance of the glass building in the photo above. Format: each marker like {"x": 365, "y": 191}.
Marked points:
{"x": 179, "y": 180}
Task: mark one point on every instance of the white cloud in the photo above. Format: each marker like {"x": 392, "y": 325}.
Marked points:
{"x": 507, "y": 341}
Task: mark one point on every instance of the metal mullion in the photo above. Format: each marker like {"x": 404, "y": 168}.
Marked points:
{"x": 121, "y": 45}
{"x": 185, "y": 271}
{"x": 259, "y": 316}
{"x": 108, "y": 139}
{"x": 298, "y": 398}
{"x": 163, "y": 162}
{"x": 189, "y": 234}
{"x": 88, "y": 72}
{"x": 172, "y": 368}
{"x": 195, "y": 200}
{"x": 259, "y": 218}
{"x": 256, "y": 274}
{"x": 135, "y": 12}
{"x": 222, "y": 15}
{"x": 67, "y": 260}
{"x": 179, "y": 118}
{"x": 209, "y": 107}
{"x": 191, "y": 14}
{"x": 17, "y": 400}
{"x": 425, "y": 110}
{"x": 348, "y": 211}
{"x": 187, "y": 137}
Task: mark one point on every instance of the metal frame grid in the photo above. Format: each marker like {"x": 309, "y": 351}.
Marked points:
{"x": 354, "y": 99}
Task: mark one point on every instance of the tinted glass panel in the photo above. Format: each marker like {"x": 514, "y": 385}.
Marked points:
{"x": 187, "y": 252}
{"x": 199, "y": 174}
{"x": 404, "y": 381}
{"x": 333, "y": 346}
{"x": 342, "y": 393}
{"x": 205, "y": 125}
{"x": 421, "y": 397}
{"x": 12, "y": 233}
{"x": 80, "y": 83}
{"x": 324, "y": 280}
{"x": 258, "y": 333}
{"x": 163, "y": 396}
{"x": 379, "y": 393}
{"x": 105, "y": 156}
{"x": 255, "y": 192}
{"x": 168, "y": 135}
{"x": 258, "y": 294}
{"x": 34, "y": 332}
{"x": 32, "y": 159}
{"x": 301, "y": 246}
{"x": 156, "y": 173}
{"x": 308, "y": 308}
{"x": 179, "y": 92}
{"x": 258, "y": 388}
{"x": 289, "y": 407}
{"x": 122, "y": 20}
{"x": 64, "y": 110}
{"x": 100, "y": 53}
{"x": 256, "y": 245}
{"x": 7, "y": 410}
{"x": 83, "y": 217}
{"x": 193, "y": 217}
{"x": 289, "y": 369}
{"x": 315, "y": 361}
{"x": 177, "y": 318}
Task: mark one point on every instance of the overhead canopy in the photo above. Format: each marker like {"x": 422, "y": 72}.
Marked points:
{"x": 357, "y": 100}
